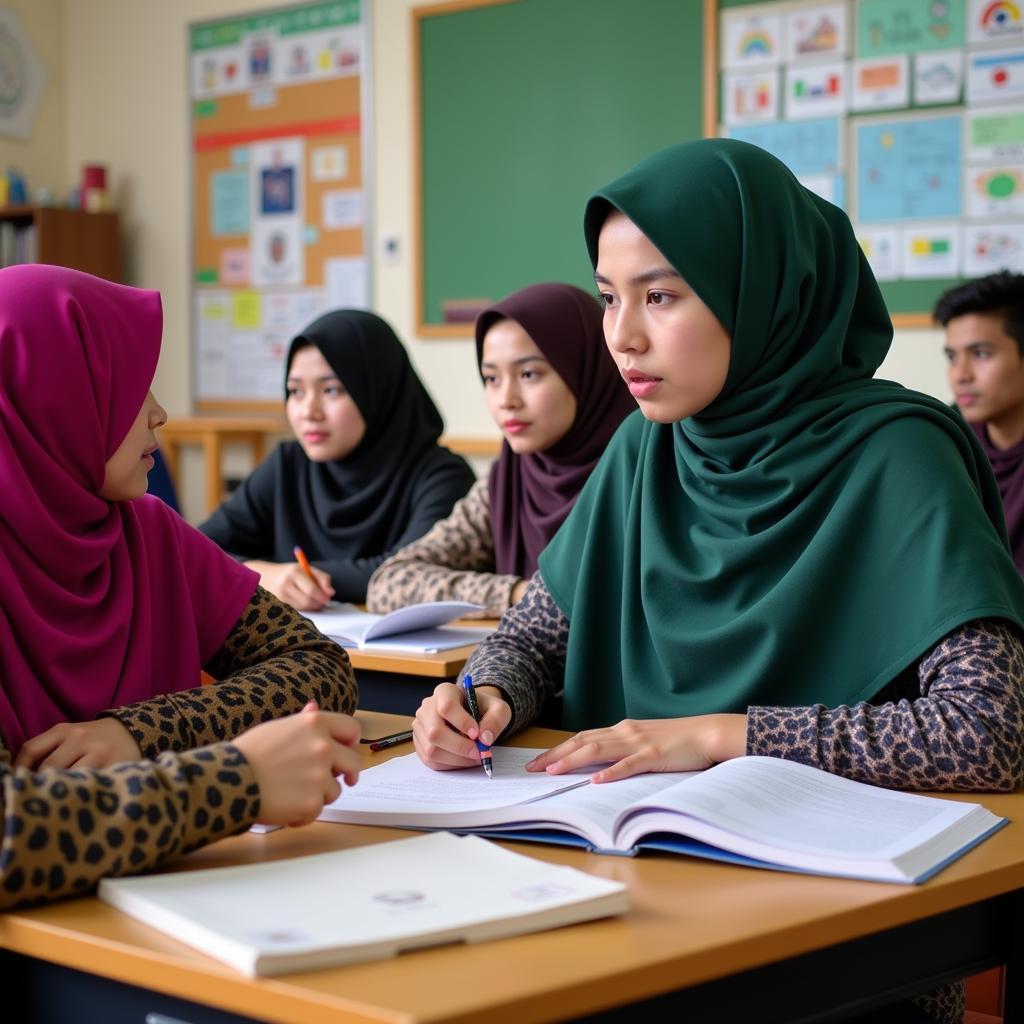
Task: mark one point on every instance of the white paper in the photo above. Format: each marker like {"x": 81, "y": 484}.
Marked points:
{"x": 995, "y": 76}
{"x": 346, "y": 283}
{"x": 417, "y": 627}
{"x": 277, "y": 218}
{"x": 989, "y": 22}
{"x": 750, "y": 40}
{"x": 994, "y": 192}
{"x": 815, "y": 32}
{"x": 343, "y": 208}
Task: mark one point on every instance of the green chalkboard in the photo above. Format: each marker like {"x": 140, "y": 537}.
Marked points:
{"x": 524, "y": 109}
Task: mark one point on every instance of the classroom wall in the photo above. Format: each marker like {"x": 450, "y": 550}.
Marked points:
{"x": 42, "y": 156}
{"x": 120, "y": 94}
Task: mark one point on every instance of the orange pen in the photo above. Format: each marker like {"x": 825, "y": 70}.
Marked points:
{"x": 300, "y": 557}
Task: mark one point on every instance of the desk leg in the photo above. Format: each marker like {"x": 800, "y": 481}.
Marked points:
{"x": 1013, "y": 997}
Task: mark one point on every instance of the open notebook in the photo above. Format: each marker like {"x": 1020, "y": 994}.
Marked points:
{"x": 758, "y": 811}
{"x": 363, "y": 904}
{"x": 415, "y": 629}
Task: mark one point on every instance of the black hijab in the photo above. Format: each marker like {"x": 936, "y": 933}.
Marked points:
{"x": 349, "y": 514}
{"x": 347, "y": 500}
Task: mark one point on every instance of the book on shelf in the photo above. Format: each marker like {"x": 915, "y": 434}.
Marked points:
{"x": 417, "y": 628}
{"x": 758, "y": 811}
{"x": 363, "y": 904}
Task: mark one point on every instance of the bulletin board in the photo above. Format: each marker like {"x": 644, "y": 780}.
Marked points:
{"x": 522, "y": 109}
{"x": 909, "y": 114}
{"x": 279, "y": 221}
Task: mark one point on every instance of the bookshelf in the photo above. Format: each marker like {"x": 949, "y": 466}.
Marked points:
{"x": 67, "y": 238}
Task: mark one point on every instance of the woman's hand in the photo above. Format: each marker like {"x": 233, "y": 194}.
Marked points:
{"x": 296, "y": 761}
{"x": 444, "y": 731}
{"x": 289, "y": 582}
{"x": 653, "y": 745}
{"x": 97, "y": 744}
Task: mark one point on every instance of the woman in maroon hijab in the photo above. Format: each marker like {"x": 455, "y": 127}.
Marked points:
{"x": 557, "y": 397}
{"x": 110, "y": 605}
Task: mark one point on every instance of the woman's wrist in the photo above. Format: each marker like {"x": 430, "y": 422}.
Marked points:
{"x": 727, "y": 737}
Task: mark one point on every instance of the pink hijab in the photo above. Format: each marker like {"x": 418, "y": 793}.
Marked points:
{"x": 101, "y": 603}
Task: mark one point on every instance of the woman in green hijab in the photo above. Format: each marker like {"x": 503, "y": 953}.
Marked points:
{"x": 781, "y": 555}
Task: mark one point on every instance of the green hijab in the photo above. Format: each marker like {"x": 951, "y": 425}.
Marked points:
{"x": 813, "y": 531}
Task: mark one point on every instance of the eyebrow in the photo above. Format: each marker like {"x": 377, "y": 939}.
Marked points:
{"x": 519, "y": 362}
{"x": 316, "y": 380}
{"x": 647, "y": 277}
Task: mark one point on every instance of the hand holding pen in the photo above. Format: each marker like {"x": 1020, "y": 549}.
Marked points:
{"x": 485, "y": 750}
{"x": 445, "y": 732}
{"x": 321, "y": 590}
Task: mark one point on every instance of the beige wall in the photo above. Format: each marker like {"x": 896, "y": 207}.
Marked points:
{"x": 42, "y": 156}
{"x": 119, "y": 96}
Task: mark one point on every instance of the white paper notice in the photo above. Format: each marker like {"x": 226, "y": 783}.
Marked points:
{"x": 880, "y": 83}
{"x": 346, "y": 283}
{"x": 992, "y": 247}
{"x": 938, "y": 76}
{"x": 343, "y": 209}
{"x": 931, "y": 250}
{"x": 882, "y": 248}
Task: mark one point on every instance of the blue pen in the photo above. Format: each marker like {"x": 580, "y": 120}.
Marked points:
{"x": 485, "y": 751}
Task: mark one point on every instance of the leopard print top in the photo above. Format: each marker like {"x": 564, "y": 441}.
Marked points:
{"x": 453, "y": 562}
{"x": 952, "y": 721}
{"x": 64, "y": 829}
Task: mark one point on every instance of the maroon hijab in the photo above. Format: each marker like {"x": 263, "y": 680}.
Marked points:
{"x": 530, "y": 495}
{"x": 1008, "y": 466}
{"x": 101, "y": 603}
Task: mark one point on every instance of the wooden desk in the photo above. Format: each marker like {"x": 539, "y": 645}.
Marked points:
{"x": 397, "y": 682}
{"x": 212, "y": 433}
{"x": 702, "y": 942}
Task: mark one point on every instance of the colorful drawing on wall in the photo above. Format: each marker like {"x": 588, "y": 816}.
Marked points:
{"x": 889, "y": 27}
{"x": 883, "y": 249}
{"x": 805, "y": 147}
{"x": 994, "y": 191}
{"x": 880, "y": 83}
{"x": 994, "y": 135}
{"x": 751, "y": 96}
{"x": 994, "y": 21}
{"x": 908, "y": 168}
{"x": 815, "y": 90}
{"x": 816, "y": 32}
{"x": 931, "y": 250}
{"x": 995, "y": 76}
{"x": 938, "y": 76}
{"x": 750, "y": 40}
{"x": 992, "y": 247}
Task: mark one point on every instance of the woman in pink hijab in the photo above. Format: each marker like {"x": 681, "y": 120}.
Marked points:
{"x": 111, "y": 605}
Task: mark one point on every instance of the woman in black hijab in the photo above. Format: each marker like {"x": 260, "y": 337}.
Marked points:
{"x": 364, "y": 477}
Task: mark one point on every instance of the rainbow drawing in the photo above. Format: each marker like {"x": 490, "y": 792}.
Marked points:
{"x": 1000, "y": 14}
{"x": 756, "y": 44}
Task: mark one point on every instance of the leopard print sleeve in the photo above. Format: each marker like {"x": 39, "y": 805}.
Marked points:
{"x": 525, "y": 656}
{"x": 454, "y": 561}
{"x": 954, "y": 722}
{"x": 272, "y": 663}
{"x": 64, "y": 829}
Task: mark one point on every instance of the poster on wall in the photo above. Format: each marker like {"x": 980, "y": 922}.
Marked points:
{"x": 278, "y": 142}
{"x": 22, "y": 77}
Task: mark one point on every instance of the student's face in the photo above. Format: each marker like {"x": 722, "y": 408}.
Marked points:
{"x": 669, "y": 347}
{"x": 531, "y": 403}
{"x": 128, "y": 468}
{"x": 984, "y": 367}
{"x": 323, "y": 415}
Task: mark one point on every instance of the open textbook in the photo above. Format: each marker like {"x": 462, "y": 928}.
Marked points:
{"x": 417, "y": 628}
{"x": 363, "y": 904}
{"x": 759, "y": 811}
